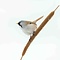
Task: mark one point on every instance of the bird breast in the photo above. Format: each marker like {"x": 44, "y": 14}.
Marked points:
{"x": 29, "y": 29}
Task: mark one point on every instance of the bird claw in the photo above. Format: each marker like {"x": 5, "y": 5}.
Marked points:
{"x": 33, "y": 33}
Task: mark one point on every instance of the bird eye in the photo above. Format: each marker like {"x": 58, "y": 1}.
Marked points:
{"x": 30, "y": 22}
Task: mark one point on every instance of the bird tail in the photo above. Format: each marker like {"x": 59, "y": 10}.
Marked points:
{"x": 37, "y": 19}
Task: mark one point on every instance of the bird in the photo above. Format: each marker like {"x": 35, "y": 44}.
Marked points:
{"x": 28, "y": 27}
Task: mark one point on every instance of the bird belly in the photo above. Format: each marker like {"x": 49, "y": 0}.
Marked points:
{"x": 29, "y": 29}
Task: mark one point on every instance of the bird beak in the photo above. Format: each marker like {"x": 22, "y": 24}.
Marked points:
{"x": 16, "y": 23}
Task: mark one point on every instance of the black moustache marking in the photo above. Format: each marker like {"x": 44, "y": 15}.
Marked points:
{"x": 19, "y": 24}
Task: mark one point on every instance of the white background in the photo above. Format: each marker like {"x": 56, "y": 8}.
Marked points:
{"x": 46, "y": 45}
